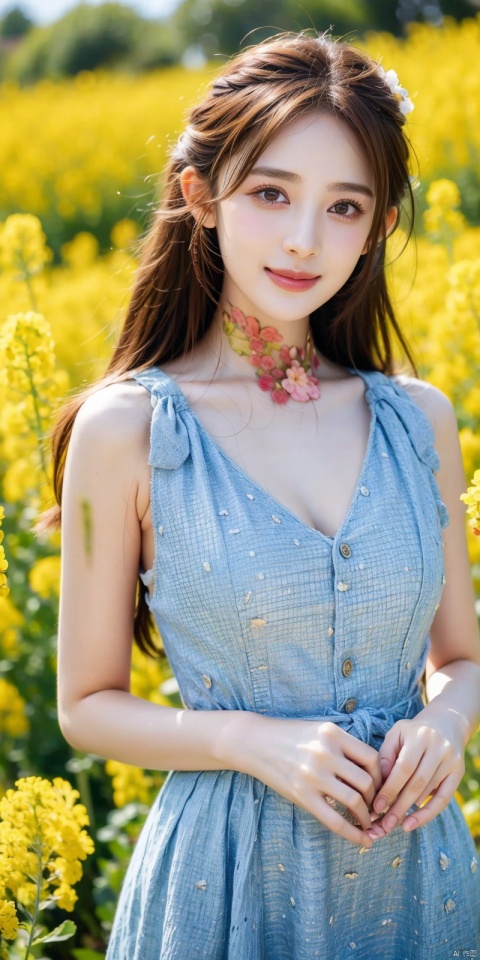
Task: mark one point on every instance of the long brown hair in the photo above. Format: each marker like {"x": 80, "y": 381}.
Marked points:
{"x": 179, "y": 277}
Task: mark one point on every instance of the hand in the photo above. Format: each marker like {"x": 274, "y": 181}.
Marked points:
{"x": 306, "y": 761}
{"x": 421, "y": 757}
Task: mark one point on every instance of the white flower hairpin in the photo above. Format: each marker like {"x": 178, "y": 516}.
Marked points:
{"x": 405, "y": 105}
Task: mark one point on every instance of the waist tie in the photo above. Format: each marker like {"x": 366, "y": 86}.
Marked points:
{"x": 372, "y": 723}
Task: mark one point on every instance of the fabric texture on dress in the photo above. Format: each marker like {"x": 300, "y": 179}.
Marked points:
{"x": 259, "y": 611}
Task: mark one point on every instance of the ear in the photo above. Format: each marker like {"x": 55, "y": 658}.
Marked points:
{"x": 195, "y": 192}
{"x": 390, "y": 222}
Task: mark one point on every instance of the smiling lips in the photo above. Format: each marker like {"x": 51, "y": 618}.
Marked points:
{"x": 293, "y": 274}
{"x": 291, "y": 279}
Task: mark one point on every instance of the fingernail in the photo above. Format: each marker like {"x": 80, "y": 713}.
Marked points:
{"x": 373, "y": 835}
{"x": 390, "y": 821}
{"x": 380, "y": 804}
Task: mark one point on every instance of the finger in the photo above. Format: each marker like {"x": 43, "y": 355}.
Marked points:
{"x": 386, "y": 764}
{"x": 353, "y": 801}
{"x": 402, "y": 771}
{"x": 357, "y": 777}
{"x": 424, "y": 774}
{"x": 438, "y": 802}
{"x": 335, "y": 822}
{"x": 390, "y": 749}
{"x": 363, "y": 755}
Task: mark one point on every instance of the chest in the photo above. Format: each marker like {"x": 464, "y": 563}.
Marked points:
{"x": 308, "y": 459}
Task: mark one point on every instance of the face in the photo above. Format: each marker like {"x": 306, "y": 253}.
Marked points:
{"x": 298, "y": 220}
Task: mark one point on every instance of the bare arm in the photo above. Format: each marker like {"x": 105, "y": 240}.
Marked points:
{"x": 453, "y": 664}
{"x": 101, "y": 540}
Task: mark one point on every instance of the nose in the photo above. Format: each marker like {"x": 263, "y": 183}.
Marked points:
{"x": 303, "y": 238}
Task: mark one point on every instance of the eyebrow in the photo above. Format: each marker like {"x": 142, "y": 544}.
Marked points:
{"x": 277, "y": 174}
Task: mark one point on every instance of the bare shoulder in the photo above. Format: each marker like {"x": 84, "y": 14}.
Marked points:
{"x": 119, "y": 409}
{"x": 433, "y": 402}
{"x": 111, "y": 437}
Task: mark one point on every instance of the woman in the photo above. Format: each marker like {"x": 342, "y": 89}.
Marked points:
{"x": 257, "y": 458}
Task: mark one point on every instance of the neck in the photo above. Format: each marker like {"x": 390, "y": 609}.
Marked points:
{"x": 283, "y": 368}
{"x": 292, "y": 333}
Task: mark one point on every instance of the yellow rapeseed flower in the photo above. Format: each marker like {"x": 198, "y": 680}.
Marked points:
{"x": 26, "y": 354}
{"x": 19, "y": 481}
{"x": 13, "y": 719}
{"x": 41, "y": 828}
{"x": 124, "y": 233}
{"x": 147, "y": 675}
{"x": 442, "y": 221}
{"x": 44, "y": 577}
{"x": 443, "y": 194}
{"x": 129, "y": 783}
{"x": 23, "y": 245}
{"x": 8, "y": 920}
{"x": 4, "y": 588}
{"x": 463, "y": 298}
{"x": 28, "y": 388}
{"x": 472, "y": 499}
{"x": 81, "y": 251}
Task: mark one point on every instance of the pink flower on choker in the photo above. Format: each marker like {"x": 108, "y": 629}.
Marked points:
{"x": 286, "y": 377}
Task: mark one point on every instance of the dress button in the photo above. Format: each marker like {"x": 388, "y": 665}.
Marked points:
{"x": 345, "y": 550}
{"x": 347, "y": 667}
{"x": 342, "y": 586}
{"x": 365, "y": 491}
{"x": 350, "y": 705}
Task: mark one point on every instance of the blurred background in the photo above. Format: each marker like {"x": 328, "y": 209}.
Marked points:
{"x": 61, "y": 62}
{"x": 62, "y": 37}
{"x": 92, "y": 95}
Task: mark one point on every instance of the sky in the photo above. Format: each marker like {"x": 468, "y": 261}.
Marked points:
{"x": 46, "y": 11}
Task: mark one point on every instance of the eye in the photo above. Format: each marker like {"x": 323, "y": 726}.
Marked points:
{"x": 350, "y": 203}
{"x": 266, "y": 189}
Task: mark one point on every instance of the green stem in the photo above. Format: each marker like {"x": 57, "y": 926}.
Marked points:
{"x": 28, "y": 281}
{"x": 37, "y": 900}
{"x": 449, "y": 248}
{"x": 83, "y": 784}
{"x": 37, "y": 413}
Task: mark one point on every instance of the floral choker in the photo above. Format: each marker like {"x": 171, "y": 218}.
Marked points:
{"x": 286, "y": 376}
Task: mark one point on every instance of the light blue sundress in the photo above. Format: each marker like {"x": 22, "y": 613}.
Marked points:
{"x": 259, "y": 611}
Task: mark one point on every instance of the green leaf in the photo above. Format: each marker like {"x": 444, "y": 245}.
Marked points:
{"x": 49, "y": 904}
{"x": 62, "y": 932}
{"x": 240, "y": 342}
